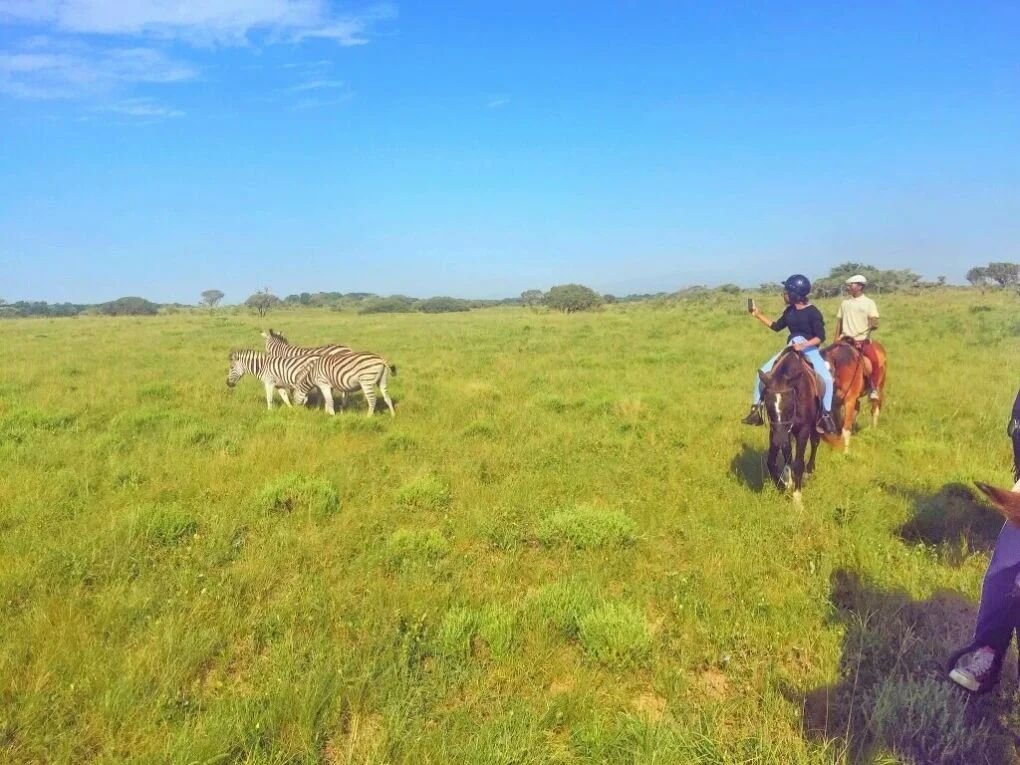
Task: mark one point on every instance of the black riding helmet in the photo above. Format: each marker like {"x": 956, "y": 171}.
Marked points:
{"x": 798, "y": 285}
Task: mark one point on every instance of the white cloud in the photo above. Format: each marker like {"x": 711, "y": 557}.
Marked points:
{"x": 319, "y": 85}
{"x": 497, "y": 102}
{"x": 142, "y": 109}
{"x": 202, "y": 21}
{"x": 48, "y": 70}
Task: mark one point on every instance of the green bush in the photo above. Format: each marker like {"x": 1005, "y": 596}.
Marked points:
{"x": 298, "y": 493}
{"x": 407, "y": 548}
{"x": 428, "y": 492}
{"x": 588, "y": 527}
{"x": 616, "y": 634}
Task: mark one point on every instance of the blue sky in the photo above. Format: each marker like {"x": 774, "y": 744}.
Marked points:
{"x": 162, "y": 148}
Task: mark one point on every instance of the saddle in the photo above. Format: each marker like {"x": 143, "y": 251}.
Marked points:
{"x": 858, "y": 345}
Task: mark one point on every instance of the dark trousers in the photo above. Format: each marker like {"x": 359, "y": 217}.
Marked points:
{"x": 999, "y": 612}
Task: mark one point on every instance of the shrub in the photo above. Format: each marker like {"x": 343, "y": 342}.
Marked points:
{"x": 391, "y": 304}
{"x": 443, "y": 305}
{"x": 129, "y": 306}
{"x": 572, "y": 297}
{"x": 616, "y": 635}
{"x": 425, "y": 493}
{"x": 406, "y": 548}
{"x": 588, "y": 527}
{"x": 296, "y": 493}
{"x": 565, "y": 603}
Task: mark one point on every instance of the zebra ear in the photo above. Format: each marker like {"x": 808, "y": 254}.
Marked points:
{"x": 266, "y": 333}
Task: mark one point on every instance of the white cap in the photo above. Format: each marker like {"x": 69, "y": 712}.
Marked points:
{"x": 857, "y": 279}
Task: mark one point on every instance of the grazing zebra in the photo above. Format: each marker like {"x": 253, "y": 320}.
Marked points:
{"x": 277, "y": 345}
{"x": 347, "y": 372}
{"x": 276, "y": 372}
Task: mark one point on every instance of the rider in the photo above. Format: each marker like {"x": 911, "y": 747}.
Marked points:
{"x": 807, "y": 332}
{"x": 856, "y": 320}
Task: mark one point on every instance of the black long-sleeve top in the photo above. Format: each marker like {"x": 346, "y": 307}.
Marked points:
{"x": 806, "y": 322}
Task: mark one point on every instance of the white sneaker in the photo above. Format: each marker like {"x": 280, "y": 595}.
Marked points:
{"x": 873, "y": 395}
{"x": 974, "y": 671}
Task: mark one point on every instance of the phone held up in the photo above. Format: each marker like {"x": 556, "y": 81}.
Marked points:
{"x": 750, "y": 305}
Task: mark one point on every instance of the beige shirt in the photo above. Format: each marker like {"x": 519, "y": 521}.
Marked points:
{"x": 854, "y": 313}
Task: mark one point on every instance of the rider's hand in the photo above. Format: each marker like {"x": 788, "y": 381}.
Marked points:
{"x": 799, "y": 347}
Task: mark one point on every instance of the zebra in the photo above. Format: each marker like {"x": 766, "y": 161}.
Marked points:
{"x": 277, "y": 373}
{"x": 347, "y": 372}
{"x": 277, "y": 345}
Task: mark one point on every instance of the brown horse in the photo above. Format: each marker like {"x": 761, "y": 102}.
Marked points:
{"x": 850, "y": 370}
{"x": 790, "y": 398}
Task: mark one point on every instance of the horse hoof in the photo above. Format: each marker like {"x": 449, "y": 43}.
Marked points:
{"x": 797, "y": 499}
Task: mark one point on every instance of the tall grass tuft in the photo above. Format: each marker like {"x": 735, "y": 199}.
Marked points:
{"x": 588, "y": 527}
{"x": 616, "y": 634}
{"x": 297, "y": 493}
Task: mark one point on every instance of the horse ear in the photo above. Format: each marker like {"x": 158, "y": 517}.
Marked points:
{"x": 765, "y": 378}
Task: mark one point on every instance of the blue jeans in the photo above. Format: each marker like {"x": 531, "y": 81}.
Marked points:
{"x": 817, "y": 362}
{"x": 1000, "y": 599}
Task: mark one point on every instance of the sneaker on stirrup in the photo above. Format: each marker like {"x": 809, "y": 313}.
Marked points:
{"x": 977, "y": 670}
{"x": 754, "y": 416}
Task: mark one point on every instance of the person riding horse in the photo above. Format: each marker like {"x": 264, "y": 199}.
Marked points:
{"x": 807, "y": 332}
{"x": 856, "y": 320}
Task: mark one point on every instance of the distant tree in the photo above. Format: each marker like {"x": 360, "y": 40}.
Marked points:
{"x": 262, "y": 301}
{"x": 977, "y": 276}
{"x": 1004, "y": 274}
{"x": 940, "y": 281}
{"x": 729, "y": 289}
{"x": 770, "y": 287}
{"x": 391, "y": 304}
{"x": 532, "y": 298}
{"x": 443, "y": 305}
{"x": 570, "y": 298}
{"x": 211, "y": 297}
{"x": 129, "y": 306}
{"x": 609, "y": 299}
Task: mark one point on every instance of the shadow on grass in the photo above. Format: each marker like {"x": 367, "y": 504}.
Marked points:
{"x": 953, "y": 519}
{"x": 893, "y": 697}
{"x": 354, "y": 402}
{"x": 748, "y": 466}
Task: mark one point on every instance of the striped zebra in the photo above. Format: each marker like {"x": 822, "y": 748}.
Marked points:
{"x": 278, "y": 373}
{"x": 347, "y": 372}
{"x": 277, "y": 345}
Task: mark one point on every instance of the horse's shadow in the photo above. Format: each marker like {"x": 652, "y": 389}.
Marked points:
{"x": 893, "y": 696}
{"x": 748, "y": 466}
{"x": 952, "y": 519}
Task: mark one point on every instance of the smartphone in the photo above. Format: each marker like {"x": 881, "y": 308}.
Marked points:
{"x": 750, "y": 305}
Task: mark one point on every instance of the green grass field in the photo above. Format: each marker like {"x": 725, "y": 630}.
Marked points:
{"x": 561, "y": 550}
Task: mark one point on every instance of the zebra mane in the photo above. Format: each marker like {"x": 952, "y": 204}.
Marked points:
{"x": 271, "y": 334}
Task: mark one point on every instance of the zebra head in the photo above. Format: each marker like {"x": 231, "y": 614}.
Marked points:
{"x": 237, "y": 369}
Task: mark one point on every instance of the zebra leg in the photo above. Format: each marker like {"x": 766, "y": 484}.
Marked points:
{"x": 366, "y": 388}
{"x": 385, "y": 395}
{"x": 284, "y": 396}
{"x": 270, "y": 392}
{"x": 327, "y": 397}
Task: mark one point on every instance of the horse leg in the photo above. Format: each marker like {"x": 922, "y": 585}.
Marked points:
{"x": 815, "y": 438}
{"x": 773, "y": 464}
{"x": 787, "y": 448}
{"x": 798, "y": 464}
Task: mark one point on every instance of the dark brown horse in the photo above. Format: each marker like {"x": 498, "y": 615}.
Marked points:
{"x": 850, "y": 371}
{"x": 790, "y": 398}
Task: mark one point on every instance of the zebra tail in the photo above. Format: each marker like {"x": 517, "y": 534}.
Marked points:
{"x": 393, "y": 369}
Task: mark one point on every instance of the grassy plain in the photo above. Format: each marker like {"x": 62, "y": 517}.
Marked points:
{"x": 562, "y": 550}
